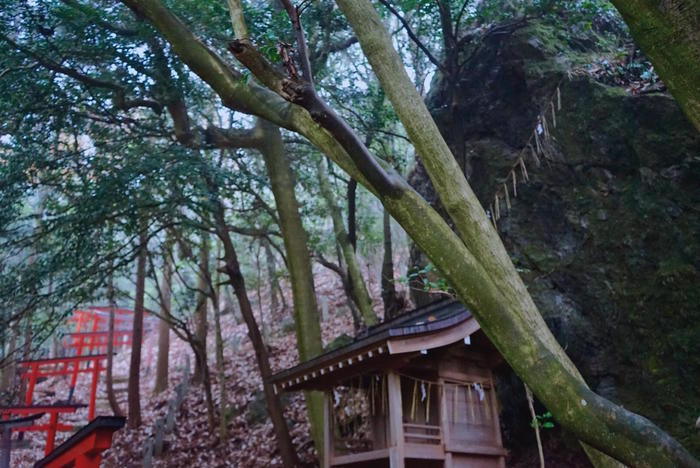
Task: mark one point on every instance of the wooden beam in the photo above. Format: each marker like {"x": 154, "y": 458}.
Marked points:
{"x": 362, "y": 457}
{"x": 396, "y": 437}
{"x": 327, "y": 430}
{"x": 433, "y": 340}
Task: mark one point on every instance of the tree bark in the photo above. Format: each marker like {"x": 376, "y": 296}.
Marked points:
{"x": 134, "y": 396}
{"x": 9, "y": 360}
{"x": 109, "y": 377}
{"x": 389, "y": 297}
{"x": 522, "y": 337}
{"x": 352, "y": 213}
{"x": 306, "y": 318}
{"x": 358, "y": 289}
{"x": 667, "y": 32}
{"x": 201, "y": 309}
{"x": 276, "y": 294}
{"x": 484, "y": 245}
{"x": 162, "y": 364}
{"x": 274, "y": 405}
{"x": 220, "y": 364}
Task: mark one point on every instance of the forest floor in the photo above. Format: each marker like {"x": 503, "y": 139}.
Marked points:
{"x": 251, "y": 440}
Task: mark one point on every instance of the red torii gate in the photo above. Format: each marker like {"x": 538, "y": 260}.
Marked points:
{"x": 96, "y": 340}
{"x": 92, "y": 319}
{"x": 84, "y": 448}
{"x": 51, "y": 428}
{"x": 64, "y": 366}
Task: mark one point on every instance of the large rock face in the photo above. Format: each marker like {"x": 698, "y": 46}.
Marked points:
{"x": 606, "y": 234}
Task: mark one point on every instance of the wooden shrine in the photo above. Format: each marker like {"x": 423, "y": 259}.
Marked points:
{"x": 415, "y": 391}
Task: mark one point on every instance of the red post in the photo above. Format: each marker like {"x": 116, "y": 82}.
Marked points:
{"x": 51, "y": 434}
{"x": 93, "y": 389}
{"x": 95, "y": 325}
{"x": 32, "y": 383}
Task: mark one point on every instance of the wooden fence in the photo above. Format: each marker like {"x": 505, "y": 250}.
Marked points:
{"x": 165, "y": 425}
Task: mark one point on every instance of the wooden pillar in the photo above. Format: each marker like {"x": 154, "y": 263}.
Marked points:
{"x": 51, "y": 432}
{"x": 93, "y": 388}
{"x": 32, "y": 382}
{"x": 496, "y": 422}
{"x": 396, "y": 438}
{"x": 327, "y": 429}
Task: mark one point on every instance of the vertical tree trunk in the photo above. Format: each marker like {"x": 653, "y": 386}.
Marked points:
{"x": 109, "y": 377}
{"x": 163, "y": 325}
{"x": 8, "y": 372}
{"x": 352, "y": 213}
{"x": 220, "y": 365}
{"x": 537, "y": 357}
{"x": 358, "y": 289}
{"x": 258, "y": 288}
{"x": 201, "y": 311}
{"x": 276, "y": 295}
{"x": 389, "y": 297}
{"x": 306, "y": 319}
{"x": 134, "y": 397}
{"x": 274, "y": 405}
{"x": 481, "y": 278}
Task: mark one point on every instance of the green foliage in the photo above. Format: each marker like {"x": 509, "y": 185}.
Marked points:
{"x": 427, "y": 278}
{"x": 543, "y": 421}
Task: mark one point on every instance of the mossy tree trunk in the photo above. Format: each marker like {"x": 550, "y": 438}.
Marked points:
{"x": 491, "y": 289}
{"x": 358, "y": 289}
{"x": 306, "y": 318}
{"x": 667, "y": 32}
{"x": 571, "y": 406}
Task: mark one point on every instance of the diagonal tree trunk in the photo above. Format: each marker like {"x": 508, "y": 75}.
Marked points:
{"x": 274, "y": 405}
{"x": 497, "y": 301}
{"x": 484, "y": 244}
{"x": 669, "y": 34}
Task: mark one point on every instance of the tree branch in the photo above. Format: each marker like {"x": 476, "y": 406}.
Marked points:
{"x": 414, "y": 37}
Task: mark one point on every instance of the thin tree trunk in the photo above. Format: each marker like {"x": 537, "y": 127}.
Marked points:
{"x": 389, "y": 297}
{"x": 258, "y": 288}
{"x": 208, "y": 394}
{"x": 201, "y": 311}
{"x": 162, "y": 364}
{"x": 624, "y": 435}
{"x": 504, "y": 309}
{"x": 8, "y": 372}
{"x": 274, "y": 405}
{"x": 276, "y": 294}
{"x": 352, "y": 213}
{"x": 220, "y": 365}
{"x": 306, "y": 319}
{"x": 358, "y": 289}
{"x": 109, "y": 377}
{"x": 134, "y": 396}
